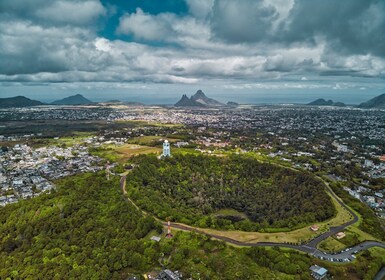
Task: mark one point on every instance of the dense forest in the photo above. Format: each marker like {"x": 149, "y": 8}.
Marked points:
{"x": 83, "y": 230}
{"x": 87, "y": 230}
{"x": 192, "y": 189}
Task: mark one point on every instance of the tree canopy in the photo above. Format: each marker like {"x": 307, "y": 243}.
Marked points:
{"x": 192, "y": 189}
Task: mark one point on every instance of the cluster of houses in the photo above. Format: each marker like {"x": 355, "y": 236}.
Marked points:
{"x": 26, "y": 172}
{"x": 374, "y": 199}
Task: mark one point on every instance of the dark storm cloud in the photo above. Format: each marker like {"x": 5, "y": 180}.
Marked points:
{"x": 352, "y": 26}
{"x": 215, "y": 41}
{"x": 242, "y": 20}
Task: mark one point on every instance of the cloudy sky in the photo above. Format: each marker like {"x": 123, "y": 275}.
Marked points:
{"x": 156, "y": 50}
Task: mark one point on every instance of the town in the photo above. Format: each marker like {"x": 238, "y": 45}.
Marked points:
{"x": 344, "y": 146}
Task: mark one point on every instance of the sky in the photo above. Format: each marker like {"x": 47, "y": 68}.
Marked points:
{"x": 153, "y": 51}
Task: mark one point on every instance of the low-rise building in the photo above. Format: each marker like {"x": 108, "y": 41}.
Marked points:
{"x": 318, "y": 272}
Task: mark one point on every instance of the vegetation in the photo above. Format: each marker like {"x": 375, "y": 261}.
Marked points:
{"x": 369, "y": 222}
{"x": 200, "y": 257}
{"x": 84, "y": 230}
{"x": 191, "y": 189}
{"x": 365, "y": 267}
{"x": 123, "y": 152}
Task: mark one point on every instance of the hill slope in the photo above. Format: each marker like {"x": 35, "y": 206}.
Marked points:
{"x": 77, "y": 99}
{"x": 84, "y": 230}
{"x": 192, "y": 188}
{"x": 18, "y": 101}
{"x": 323, "y": 102}
{"x": 376, "y": 102}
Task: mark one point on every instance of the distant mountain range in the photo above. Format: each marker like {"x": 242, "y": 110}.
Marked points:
{"x": 376, "y": 102}
{"x": 323, "y": 102}
{"x": 77, "y": 99}
{"x": 199, "y": 99}
{"x": 18, "y": 101}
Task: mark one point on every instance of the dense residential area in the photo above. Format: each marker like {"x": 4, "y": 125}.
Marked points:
{"x": 26, "y": 172}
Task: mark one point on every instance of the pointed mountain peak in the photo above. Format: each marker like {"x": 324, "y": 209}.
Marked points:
{"x": 199, "y": 94}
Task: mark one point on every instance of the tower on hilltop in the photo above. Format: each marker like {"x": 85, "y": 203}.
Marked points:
{"x": 166, "y": 149}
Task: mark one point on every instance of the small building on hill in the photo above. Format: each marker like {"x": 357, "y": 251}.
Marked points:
{"x": 340, "y": 235}
{"x": 314, "y": 228}
{"x": 318, "y": 272}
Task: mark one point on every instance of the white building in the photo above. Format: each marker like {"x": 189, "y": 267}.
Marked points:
{"x": 166, "y": 149}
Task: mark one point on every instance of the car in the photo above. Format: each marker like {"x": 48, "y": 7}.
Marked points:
{"x": 353, "y": 256}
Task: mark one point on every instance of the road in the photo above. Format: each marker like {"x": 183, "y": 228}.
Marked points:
{"x": 380, "y": 275}
{"x": 310, "y": 247}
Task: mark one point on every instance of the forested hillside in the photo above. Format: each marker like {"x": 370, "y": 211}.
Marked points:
{"x": 192, "y": 189}
{"x": 84, "y": 230}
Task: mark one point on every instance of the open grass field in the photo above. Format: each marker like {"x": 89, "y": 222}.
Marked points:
{"x": 140, "y": 123}
{"x": 129, "y": 150}
{"x": 150, "y": 140}
{"x": 124, "y": 152}
{"x": 331, "y": 244}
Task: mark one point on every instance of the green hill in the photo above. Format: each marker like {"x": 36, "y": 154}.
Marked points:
{"x": 194, "y": 190}
{"x": 376, "y": 102}
{"x": 84, "y": 230}
{"x": 77, "y": 99}
{"x": 18, "y": 101}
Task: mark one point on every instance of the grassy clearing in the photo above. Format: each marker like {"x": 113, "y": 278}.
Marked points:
{"x": 139, "y": 123}
{"x": 331, "y": 244}
{"x": 230, "y": 212}
{"x": 150, "y": 140}
{"x": 124, "y": 152}
{"x": 353, "y": 237}
{"x": 71, "y": 140}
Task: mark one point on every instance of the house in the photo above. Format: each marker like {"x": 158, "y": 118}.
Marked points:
{"x": 318, "y": 272}
{"x": 155, "y": 238}
{"x": 314, "y": 228}
{"x": 340, "y": 235}
{"x": 168, "y": 275}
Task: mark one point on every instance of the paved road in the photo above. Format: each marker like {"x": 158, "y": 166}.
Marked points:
{"x": 333, "y": 230}
{"x": 309, "y": 247}
{"x": 380, "y": 275}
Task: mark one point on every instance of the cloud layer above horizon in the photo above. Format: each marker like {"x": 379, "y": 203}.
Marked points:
{"x": 239, "y": 43}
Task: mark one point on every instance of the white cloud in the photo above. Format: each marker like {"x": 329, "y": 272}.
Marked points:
{"x": 146, "y": 26}
{"x": 200, "y": 8}
{"x": 51, "y": 44}
{"x": 71, "y": 12}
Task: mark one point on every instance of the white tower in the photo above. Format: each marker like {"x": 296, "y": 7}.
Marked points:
{"x": 166, "y": 149}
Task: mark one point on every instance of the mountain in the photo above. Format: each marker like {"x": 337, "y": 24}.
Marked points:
{"x": 18, "y": 101}
{"x": 187, "y": 102}
{"x": 232, "y": 104}
{"x": 77, "y": 99}
{"x": 323, "y": 102}
{"x": 376, "y": 102}
{"x": 201, "y": 98}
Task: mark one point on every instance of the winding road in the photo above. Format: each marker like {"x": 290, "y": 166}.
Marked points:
{"x": 310, "y": 247}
